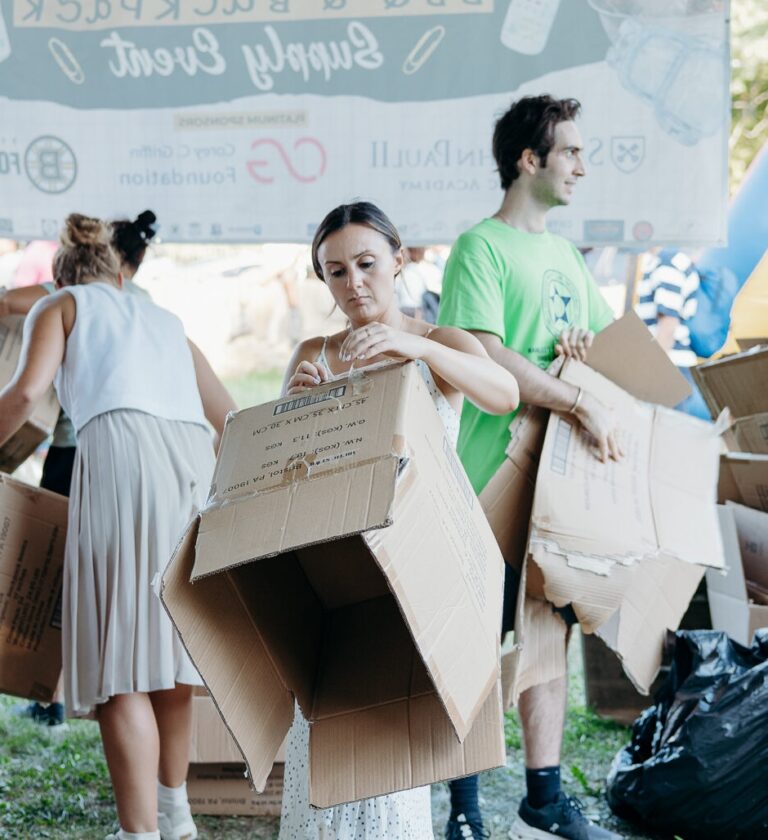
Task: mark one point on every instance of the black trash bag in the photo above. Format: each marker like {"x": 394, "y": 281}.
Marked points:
{"x": 697, "y": 766}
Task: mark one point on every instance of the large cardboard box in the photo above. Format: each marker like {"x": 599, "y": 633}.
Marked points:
{"x": 744, "y": 479}
{"x": 344, "y": 562}
{"x": 33, "y": 527}
{"x": 41, "y": 424}
{"x": 624, "y": 543}
{"x": 217, "y": 783}
{"x": 737, "y": 382}
{"x": 745, "y": 538}
{"x": 223, "y": 790}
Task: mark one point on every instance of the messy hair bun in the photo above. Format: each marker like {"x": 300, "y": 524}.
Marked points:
{"x": 85, "y": 253}
{"x": 130, "y": 238}
{"x": 84, "y": 230}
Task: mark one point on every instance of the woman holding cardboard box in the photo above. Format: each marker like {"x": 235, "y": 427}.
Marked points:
{"x": 138, "y": 395}
{"x": 358, "y": 253}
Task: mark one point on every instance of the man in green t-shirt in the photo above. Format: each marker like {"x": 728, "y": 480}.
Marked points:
{"x": 528, "y": 296}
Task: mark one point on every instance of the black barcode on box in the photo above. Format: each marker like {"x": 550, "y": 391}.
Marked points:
{"x": 309, "y": 399}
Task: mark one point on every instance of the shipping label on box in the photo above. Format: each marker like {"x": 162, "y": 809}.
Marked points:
{"x": 41, "y": 424}
{"x": 344, "y": 557}
{"x": 33, "y": 526}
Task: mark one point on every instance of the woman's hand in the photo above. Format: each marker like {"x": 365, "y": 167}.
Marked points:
{"x": 307, "y": 375}
{"x": 377, "y": 339}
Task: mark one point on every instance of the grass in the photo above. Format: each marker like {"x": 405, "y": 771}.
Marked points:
{"x": 255, "y": 388}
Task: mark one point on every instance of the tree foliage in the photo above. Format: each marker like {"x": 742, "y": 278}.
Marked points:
{"x": 749, "y": 84}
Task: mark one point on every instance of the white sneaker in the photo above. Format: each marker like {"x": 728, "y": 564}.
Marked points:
{"x": 177, "y": 826}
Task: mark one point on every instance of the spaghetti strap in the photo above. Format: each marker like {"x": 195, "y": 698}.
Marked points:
{"x": 322, "y": 357}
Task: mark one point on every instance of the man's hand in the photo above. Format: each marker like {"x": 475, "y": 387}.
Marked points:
{"x": 599, "y": 421}
{"x": 574, "y": 343}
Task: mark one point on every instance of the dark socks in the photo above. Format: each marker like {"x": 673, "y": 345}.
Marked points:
{"x": 543, "y": 785}
{"x": 464, "y": 797}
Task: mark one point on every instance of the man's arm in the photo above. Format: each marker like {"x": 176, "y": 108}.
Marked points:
{"x": 539, "y": 388}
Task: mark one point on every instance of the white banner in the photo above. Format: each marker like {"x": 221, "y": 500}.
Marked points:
{"x": 247, "y": 120}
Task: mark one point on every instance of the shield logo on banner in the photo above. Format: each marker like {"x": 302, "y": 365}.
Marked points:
{"x": 627, "y": 153}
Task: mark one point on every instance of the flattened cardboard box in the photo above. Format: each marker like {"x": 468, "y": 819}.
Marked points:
{"x": 41, "y": 424}
{"x": 599, "y": 544}
{"x": 33, "y": 528}
{"x": 626, "y": 542}
{"x": 745, "y": 538}
{"x": 344, "y": 562}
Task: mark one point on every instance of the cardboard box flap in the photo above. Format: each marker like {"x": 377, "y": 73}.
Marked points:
{"x": 350, "y": 420}
{"x": 729, "y": 581}
{"x": 736, "y": 382}
{"x": 219, "y": 634}
{"x": 332, "y": 505}
{"x": 445, "y": 569}
{"x": 373, "y": 740}
{"x": 650, "y": 376}
{"x": 685, "y": 462}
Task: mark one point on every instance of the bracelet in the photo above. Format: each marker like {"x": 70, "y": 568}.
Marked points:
{"x": 576, "y": 402}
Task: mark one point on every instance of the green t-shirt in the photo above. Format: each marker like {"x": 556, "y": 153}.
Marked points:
{"x": 526, "y": 288}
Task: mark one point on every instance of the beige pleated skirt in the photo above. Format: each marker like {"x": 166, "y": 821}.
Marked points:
{"x": 136, "y": 483}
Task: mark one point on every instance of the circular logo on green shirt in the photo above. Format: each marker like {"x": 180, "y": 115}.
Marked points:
{"x": 560, "y": 302}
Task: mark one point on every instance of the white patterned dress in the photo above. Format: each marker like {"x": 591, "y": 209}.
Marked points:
{"x": 406, "y": 815}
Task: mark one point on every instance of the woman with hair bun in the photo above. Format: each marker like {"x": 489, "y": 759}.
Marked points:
{"x": 138, "y": 394}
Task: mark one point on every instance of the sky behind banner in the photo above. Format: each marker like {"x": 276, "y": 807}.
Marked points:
{"x": 246, "y": 120}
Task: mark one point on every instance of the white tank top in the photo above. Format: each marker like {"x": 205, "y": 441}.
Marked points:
{"x": 124, "y": 352}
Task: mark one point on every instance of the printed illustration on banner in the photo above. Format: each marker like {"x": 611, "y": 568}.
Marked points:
{"x": 560, "y": 301}
{"x": 627, "y": 153}
{"x": 50, "y": 164}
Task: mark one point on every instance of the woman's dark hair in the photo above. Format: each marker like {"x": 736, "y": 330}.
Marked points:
{"x": 86, "y": 252}
{"x": 130, "y": 238}
{"x": 359, "y": 213}
{"x": 528, "y": 124}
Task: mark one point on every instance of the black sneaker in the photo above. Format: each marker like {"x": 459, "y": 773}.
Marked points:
{"x": 561, "y": 818}
{"x": 461, "y": 828}
{"x": 50, "y": 715}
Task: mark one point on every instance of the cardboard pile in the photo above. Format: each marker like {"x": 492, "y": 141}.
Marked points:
{"x": 217, "y": 783}
{"x": 33, "y": 528}
{"x": 739, "y": 598}
{"x": 41, "y": 424}
{"x": 624, "y": 543}
{"x": 344, "y": 562}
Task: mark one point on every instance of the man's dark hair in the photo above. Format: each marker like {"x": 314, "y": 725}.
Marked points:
{"x": 528, "y": 124}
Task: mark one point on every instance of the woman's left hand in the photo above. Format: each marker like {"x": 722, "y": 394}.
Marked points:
{"x": 377, "y": 339}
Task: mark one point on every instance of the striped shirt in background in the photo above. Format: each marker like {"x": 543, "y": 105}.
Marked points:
{"x": 668, "y": 287}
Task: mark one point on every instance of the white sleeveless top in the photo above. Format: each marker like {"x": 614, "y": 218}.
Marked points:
{"x": 124, "y": 352}
{"x": 444, "y": 409}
